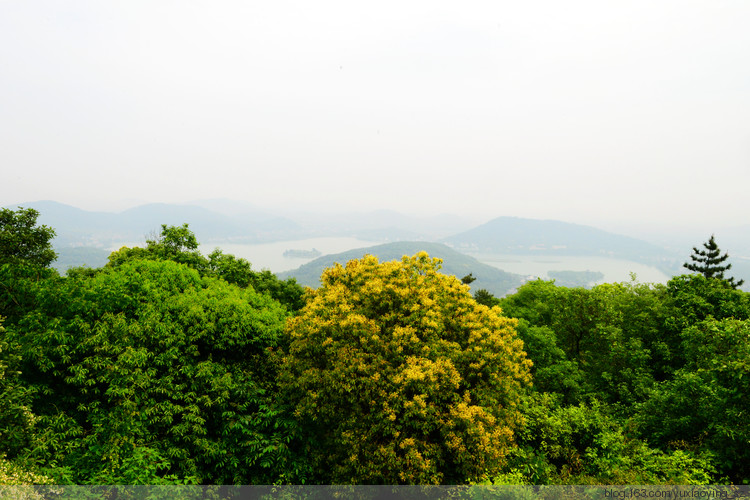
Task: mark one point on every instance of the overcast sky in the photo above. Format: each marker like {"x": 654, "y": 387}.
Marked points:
{"x": 597, "y": 112}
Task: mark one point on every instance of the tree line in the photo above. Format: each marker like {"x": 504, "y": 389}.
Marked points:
{"x": 166, "y": 366}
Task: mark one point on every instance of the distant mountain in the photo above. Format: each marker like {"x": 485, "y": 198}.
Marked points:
{"x": 221, "y": 220}
{"x": 490, "y": 278}
{"x": 514, "y": 235}
{"x": 68, "y": 257}
{"x": 76, "y": 227}
{"x": 211, "y": 226}
{"x": 72, "y": 225}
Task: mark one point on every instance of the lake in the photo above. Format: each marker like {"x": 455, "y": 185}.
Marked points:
{"x": 269, "y": 256}
{"x": 614, "y": 270}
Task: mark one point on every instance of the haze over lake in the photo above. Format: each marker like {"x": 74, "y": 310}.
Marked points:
{"x": 527, "y": 248}
{"x": 614, "y": 270}
{"x": 270, "y": 256}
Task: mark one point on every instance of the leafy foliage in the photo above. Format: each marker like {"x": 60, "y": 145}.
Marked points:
{"x": 552, "y": 370}
{"x": 179, "y": 244}
{"x": 484, "y": 297}
{"x": 149, "y": 372}
{"x": 25, "y": 255}
{"x": 16, "y": 418}
{"x": 398, "y": 376}
{"x": 239, "y": 272}
{"x": 584, "y": 444}
{"x": 605, "y": 342}
{"x": 694, "y": 298}
{"x": 12, "y": 473}
{"x": 17, "y": 285}
{"x": 598, "y": 355}
{"x": 174, "y": 243}
{"x": 705, "y": 406}
{"x": 22, "y": 241}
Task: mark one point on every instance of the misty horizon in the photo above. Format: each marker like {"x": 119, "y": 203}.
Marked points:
{"x": 612, "y": 115}
{"x": 643, "y": 229}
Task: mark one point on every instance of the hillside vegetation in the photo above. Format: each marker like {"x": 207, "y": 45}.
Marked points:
{"x": 166, "y": 366}
{"x": 453, "y": 263}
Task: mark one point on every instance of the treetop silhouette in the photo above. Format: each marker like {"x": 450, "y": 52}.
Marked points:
{"x": 709, "y": 263}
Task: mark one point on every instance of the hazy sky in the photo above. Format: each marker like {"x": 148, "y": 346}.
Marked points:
{"x": 588, "y": 111}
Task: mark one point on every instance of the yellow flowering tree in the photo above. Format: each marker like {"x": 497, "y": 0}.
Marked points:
{"x": 399, "y": 377}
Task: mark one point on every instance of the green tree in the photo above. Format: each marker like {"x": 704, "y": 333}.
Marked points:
{"x": 552, "y": 370}
{"x": 16, "y": 419}
{"x": 709, "y": 262}
{"x": 25, "y": 255}
{"x": 484, "y": 297}
{"x": 606, "y": 342}
{"x": 598, "y": 355}
{"x": 149, "y": 372}
{"x": 533, "y": 301}
{"x": 704, "y": 407}
{"x": 694, "y": 298}
{"x": 238, "y": 271}
{"x": 585, "y": 444}
{"x": 399, "y": 377}
{"x": 468, "y": 279}
{"x": 179, "y": 244}
{"x": 175, "y": 243}
{"x": 22, "y": 241}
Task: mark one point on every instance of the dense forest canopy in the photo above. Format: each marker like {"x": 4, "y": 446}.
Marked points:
{"x": 166, "y": 366}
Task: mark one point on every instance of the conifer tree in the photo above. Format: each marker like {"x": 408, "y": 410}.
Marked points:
{"x": 709, "y": 262}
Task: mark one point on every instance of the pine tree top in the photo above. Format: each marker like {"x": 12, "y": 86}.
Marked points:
{"x": 708, "y": 262}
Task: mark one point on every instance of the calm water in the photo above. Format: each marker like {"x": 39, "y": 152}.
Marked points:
{"x": 269, "y": 256}
{"x": 614, "y": 270}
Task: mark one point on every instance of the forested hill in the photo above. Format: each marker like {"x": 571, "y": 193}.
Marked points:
{"x": 515, "y": 235}
{"x": 496, "y": 281}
